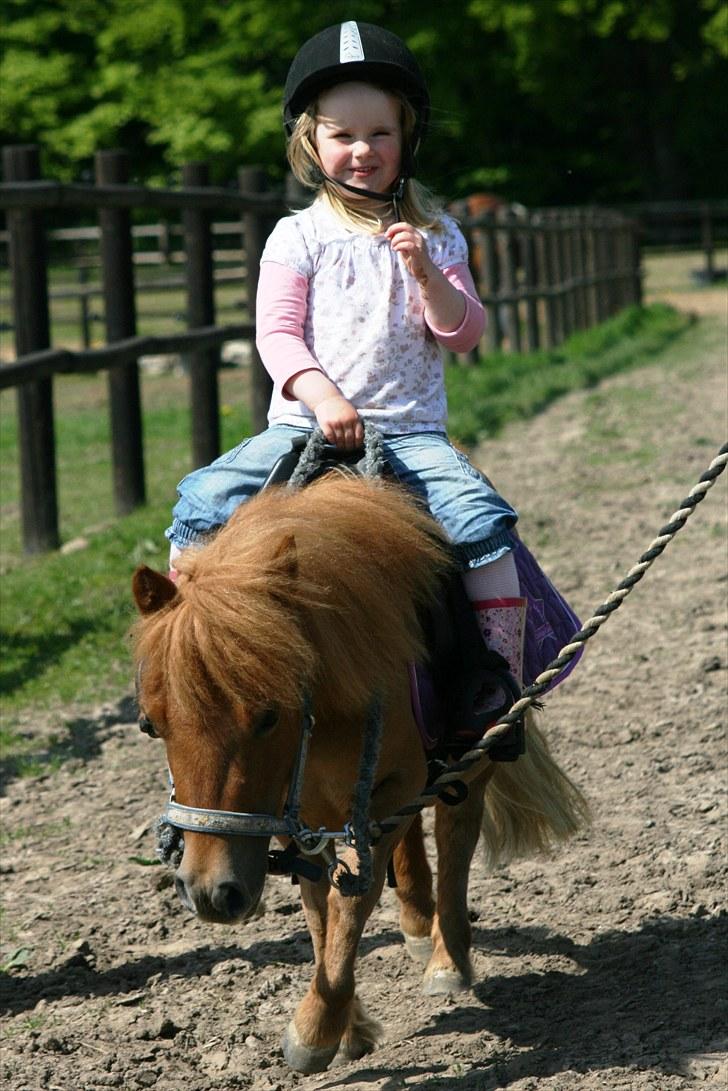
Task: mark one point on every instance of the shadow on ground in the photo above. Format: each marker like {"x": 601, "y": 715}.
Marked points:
{"x": 79, "y": 738}
{"x": 646, "y": 998}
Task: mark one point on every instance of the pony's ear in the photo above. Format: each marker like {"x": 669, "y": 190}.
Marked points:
{"x": 285, "y": 557}
{"x": 151, "y": 590}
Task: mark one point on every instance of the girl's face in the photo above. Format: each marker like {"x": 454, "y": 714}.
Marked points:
{"x": 359, "y": 136}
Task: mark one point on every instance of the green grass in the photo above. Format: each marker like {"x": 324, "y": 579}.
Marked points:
{"x": 64, "y": 616}
{"x": 159, "y": 310}
{"x": 513, "y": 386}
{"x": 83, "y": 458}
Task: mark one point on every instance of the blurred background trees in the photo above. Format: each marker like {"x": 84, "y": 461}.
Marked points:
{"x": 541, "y": 101}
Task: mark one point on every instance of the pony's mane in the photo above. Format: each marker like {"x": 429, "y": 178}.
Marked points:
{"x": 317, "y": 587}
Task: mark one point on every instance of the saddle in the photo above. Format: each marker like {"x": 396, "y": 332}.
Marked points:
{"x": 463, "y": 686}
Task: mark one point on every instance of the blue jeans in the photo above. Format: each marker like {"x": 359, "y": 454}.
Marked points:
{"x": 474, "y": 516}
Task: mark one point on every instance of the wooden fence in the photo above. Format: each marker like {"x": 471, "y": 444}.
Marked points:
{"x": 541, "y": 275}
{"x": 74, "y": 260}
{"x": 685, "y": 225}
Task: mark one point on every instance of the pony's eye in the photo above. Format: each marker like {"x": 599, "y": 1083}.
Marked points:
{"x": 266, "y": 719}
{"x": 146, "y": 725}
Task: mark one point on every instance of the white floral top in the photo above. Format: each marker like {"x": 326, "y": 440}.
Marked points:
{"x": 352, "y": 302}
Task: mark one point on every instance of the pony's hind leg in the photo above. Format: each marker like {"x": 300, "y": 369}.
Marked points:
{"x": 414, "y": 890}
{"x": 457, "y": 829}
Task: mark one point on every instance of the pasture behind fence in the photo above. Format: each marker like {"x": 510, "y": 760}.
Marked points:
{"x": 541, "y": 274}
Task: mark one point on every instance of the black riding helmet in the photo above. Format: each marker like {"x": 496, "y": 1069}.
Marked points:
{"x": 363, "y": 52}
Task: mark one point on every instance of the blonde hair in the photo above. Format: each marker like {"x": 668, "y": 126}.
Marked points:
{"x": 418, "y": 206}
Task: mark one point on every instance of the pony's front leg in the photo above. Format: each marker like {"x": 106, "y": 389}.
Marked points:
{"x": 330, "y": 1015}
{"x": 456, "y": 833}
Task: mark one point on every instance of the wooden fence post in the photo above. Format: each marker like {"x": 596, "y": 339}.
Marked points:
{"x": 614, "y": 265}
{"x": 592, "y": 268}
{"x": 511, "y": 242}
{"x": 577, "y": 266}
{"x": 203, "y": 363}
{"x": 541, "y": 242}
{"x": 707, "y": 238}
{"x": 635, "y": 257}
{"x": 533, "y": 338}
{"x": 556, "y": 274}
{"x": 491, "y": 270}
{"x": 602, "y": 266}
{"x": 567, "y": 291}
{"x": 255, "y": 225}
{"x": 28, "y": 263}
{"x": 112, "y": 168}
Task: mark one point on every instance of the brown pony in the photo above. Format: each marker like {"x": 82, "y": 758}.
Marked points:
{"x": 317, "y": 591}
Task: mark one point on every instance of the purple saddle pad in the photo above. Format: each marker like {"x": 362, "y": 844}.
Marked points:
{"x": 550, "y": 624}
{"x": 550, "y": 621}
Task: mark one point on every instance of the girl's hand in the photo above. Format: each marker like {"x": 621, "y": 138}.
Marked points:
{"x": 410, "y": 243}
{"x": 340, "y": 422}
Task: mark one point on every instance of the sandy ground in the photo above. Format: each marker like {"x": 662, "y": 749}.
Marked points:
{"x": 600, "y": 968}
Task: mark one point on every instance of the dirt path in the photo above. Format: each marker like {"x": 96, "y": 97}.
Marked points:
{"x": 598, "y": 969}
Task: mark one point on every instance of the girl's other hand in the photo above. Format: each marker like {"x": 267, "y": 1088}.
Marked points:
{"x": 411, "y": 244}
{"x": 340, "y": 422}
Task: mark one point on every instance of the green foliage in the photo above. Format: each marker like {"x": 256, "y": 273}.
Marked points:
{"x": 544, "y": 101}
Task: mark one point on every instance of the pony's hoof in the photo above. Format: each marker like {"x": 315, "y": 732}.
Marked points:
{"x": 419, "y": 948}
{"x": 303, "y": 1058}
{"x": 442, "y": 982}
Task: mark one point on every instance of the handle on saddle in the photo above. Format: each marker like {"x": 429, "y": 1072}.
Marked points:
{"x": 317, "y": 454}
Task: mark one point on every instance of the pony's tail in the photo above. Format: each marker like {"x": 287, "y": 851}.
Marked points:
{"x": 530, "y": 804}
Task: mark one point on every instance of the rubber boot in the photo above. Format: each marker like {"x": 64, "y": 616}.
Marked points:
{"x": 503, "y": 625}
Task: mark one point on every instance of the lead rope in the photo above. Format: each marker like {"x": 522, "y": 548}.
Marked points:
{"x": 358, "y": 830}
{"x": 531, "y": 693}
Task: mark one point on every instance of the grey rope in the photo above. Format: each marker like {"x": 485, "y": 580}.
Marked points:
{"x": 311, "y": 457}
{"x": 358, "y": 835}
{"x": 530, "y": 695}
{"x": 309, "y": 460}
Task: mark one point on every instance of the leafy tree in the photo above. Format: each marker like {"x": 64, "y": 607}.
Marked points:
{"x": 545, "y": 101}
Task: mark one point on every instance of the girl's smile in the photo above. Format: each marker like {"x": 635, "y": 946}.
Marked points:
{"x": 359, "y": 136}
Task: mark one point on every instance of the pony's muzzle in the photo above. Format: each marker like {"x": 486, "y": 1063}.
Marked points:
{"x": 219, "y": 900}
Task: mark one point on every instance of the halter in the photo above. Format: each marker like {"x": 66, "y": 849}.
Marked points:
{"x": 355, "y": 834}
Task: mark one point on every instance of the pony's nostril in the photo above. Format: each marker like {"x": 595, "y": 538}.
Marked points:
{"x": 229, "y": 899}
{"x": 183, "y": 895}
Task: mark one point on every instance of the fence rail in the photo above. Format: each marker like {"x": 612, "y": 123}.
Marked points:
{"x": 541, "y": 275}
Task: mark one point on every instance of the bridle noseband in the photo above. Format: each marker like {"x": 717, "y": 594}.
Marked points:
{"x": 355, "y": 834}
{"x": 248, "y": 824}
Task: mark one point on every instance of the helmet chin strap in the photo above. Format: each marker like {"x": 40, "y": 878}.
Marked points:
{"x": 394, "y": 197}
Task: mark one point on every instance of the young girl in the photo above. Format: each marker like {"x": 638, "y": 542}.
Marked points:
{"x": 357, "y": 296}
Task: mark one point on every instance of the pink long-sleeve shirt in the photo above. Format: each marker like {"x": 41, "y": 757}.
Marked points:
{"x": 344, "y": 302}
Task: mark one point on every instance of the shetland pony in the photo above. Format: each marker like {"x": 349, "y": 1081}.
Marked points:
{"x": 318, "y": 591}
